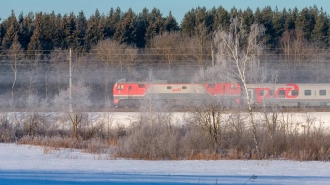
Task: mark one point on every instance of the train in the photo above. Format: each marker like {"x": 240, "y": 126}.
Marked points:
{"x": 131, "y": 93}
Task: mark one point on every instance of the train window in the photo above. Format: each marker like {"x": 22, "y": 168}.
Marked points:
{"x": 141, "y": 86}
{"x": 261, "y": 92}
{"x": 129, "y": 87}
{"x": 294, "y": 93}
{"x": 184, "y": 87}
{"x": 120, "y": 87}
{"x": 249, "y": 94}
{"x": 308, "y": 92}
{"x": 211, "y": 85}
{"x": 271, "y": 92}
{"x": 323, "y": 92}
{"x": 169, "y": 87}
{"x": 281, "y": 92}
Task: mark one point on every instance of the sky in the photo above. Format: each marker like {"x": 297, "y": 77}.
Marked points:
{"x": 177, "y": 7}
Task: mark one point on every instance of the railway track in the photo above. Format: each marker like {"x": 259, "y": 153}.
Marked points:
{"x": 176, "y": 109}
{"x": 286, "y": 109}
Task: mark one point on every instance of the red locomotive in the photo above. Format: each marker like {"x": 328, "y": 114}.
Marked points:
{"x": 128, "y": 94}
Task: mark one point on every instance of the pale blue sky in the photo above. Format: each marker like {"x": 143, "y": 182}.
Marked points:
{"x": 178, "y": 7}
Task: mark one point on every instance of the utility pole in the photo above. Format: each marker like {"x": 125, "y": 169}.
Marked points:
{"x": 70, "y": 82}
{"x": 150, "y": 101}
{"x": 75, "y": 121}
{"x": 212, "y": 54}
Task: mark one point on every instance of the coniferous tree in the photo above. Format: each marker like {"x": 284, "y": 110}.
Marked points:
{"x": 47, "y": 29}
{"x": 77, "y": 31}
{"x": 170, "y": 23}
{"x": 278, "y": 22}
{"x": 109, "y": 29}
{"x": 201, "y": 16}
{"x": 81, "y": 27}
{"x": 70, "y": 31}
{"x": 9, "y": 37}
{"x": 95, "y": 30}
{"x": 10, "y": 20}
{"x": 233, "y": 12}
{"x": 2, "y": 33}
{"x": 188, "y": 23}
{"x": 222, "y": 18}
{"x": 22, "y": 30}
{"x": 63, "y": 32}
{"x": 155, "y": 24}
{"x": 59, "y": 37}
{"x": 196, "y": 17}
{"x": 248, "y": 17}
{"x": 34, "y": 46}
{"x": 265, "y": 19}
{"x": 126, "y": 30}
{"x": 11, "y": 28}
{"x": 328, "y": 33}
{"x": 141, "y": 28}
{"x": 305, "y": 22}
{"x": 100, "y": 20}
{"x": 111, "y": 22}
{"x": 25, "y": 29}
{"x": 211, "y": 17}
{"x": 321, "y": 27}
{"x": 290, "y": 22}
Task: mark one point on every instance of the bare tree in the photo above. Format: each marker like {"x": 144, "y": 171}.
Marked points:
{"x": 80, "y": 102}
{"x": 200, "y": 46}
{"x": 115, "y": 55}
{"x": 238, "y": 58}
{"x": 33, "y": 72}
{"x": 293, "y": 45}
{"x": 305, "y": 59}
{"x": 15, "y": 55}
{"x": 170, "y": 48}
{"x": 60, "y": 73}
{"x": 210, "y": 116}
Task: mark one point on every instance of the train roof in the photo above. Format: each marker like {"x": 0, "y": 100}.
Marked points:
{"x": 123, "y": 80}
{"x": 169, "y": 82}
{"x": 284, "y": 84}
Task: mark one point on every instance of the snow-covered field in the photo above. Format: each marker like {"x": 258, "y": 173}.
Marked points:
{"x": 22, "y": 164}
{"x": 114, "y": 119}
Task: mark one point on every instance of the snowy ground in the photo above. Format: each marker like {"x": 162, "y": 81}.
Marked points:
{"x": 21, "y": 164}
{"x": 114, "y": 119}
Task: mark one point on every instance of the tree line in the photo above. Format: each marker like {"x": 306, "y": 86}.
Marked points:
{"x": 47, "y": 31}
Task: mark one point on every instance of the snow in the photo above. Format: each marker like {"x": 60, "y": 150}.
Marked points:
{"x": 23, "y": 164}
{"x": 114, "y": 119}
{"x": 126, "y": 118}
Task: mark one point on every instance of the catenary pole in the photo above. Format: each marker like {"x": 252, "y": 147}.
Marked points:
{"x": 70, "y": 82}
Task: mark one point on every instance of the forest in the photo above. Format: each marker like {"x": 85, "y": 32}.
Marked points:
{"x": 48, "y": 31}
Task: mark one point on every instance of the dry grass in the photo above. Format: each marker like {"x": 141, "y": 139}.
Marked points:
{"x": 188, "y": 141}
{"x": 95, "y": 145}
